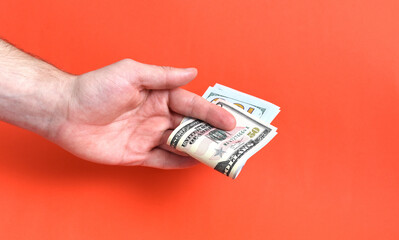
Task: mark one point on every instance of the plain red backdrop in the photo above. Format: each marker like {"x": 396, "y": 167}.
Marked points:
{"x": 332, "y": 172}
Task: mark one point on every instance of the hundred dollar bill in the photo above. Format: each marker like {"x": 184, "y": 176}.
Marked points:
{"x": 253, "y": 105}
{"x": 225, "y": 151}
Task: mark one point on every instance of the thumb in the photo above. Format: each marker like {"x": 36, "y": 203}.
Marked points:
{"x": 160, "y": 77}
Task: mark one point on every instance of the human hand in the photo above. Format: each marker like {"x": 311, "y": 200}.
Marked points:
{"x": 123, "y": 114}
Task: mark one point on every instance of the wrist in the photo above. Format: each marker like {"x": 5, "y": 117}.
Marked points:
{"x": 57, "y": 94}
{"x": 34, "y": 95}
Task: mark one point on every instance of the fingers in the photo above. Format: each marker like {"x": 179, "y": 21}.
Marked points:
{"x": 165, "y": 137}
{"x": 168, "y": 148}
{"x": 160, "y": 77}
{"x": 189, "y": 104}
{"x": 159, "y": 158}
{"x": 163, "y": 144}
{"x": 175, "y": 120}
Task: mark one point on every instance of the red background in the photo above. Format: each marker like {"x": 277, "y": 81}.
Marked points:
{"x": 332, "y": 172}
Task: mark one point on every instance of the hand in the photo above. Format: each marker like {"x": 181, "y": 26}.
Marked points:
{"x": 124, "y": 113}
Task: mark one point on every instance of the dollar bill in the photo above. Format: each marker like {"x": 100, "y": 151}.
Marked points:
{"x": 225, "y": 151}
{"x": 253, "y": 105}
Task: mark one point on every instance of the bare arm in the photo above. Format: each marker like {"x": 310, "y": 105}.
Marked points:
{"x": 32, "y": 93}
{"x": 119, "y": 114}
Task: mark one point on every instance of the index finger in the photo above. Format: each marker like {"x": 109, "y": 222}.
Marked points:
{"x": 191, "y": 105}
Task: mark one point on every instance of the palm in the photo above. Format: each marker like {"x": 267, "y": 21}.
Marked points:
{"x": 130, "y": 135}
{"x": 114, "y": 119}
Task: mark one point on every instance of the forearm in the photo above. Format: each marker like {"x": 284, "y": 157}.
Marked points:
{"x": 33, "y": 94}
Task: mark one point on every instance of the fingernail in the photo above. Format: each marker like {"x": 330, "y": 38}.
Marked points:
{"x": 231, "y": 122}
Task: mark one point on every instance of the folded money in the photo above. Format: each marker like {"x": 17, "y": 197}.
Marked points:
{"x": 258, "y": 107}
{"x": 227, "y": 151}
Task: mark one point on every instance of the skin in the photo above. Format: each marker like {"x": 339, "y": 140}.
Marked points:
{"x": 121, "y": 114}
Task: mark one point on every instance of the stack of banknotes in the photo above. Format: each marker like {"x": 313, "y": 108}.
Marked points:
{"x": 227, "y": 151}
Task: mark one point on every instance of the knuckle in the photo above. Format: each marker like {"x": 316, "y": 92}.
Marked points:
{"x": 192, "y": 105}
{"x": 127, "y": 62}
{"x": 209, "y": 114}
{"x": 166, "y": 68}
